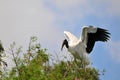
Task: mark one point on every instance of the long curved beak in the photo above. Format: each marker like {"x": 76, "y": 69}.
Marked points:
{"x": 62, "y": 45}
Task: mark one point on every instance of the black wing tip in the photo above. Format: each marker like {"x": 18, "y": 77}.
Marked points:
{"x": 105, "y": 34}
{"x": 88, "y": 50}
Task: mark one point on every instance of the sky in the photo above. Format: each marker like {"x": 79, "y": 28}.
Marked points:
{"x": 48, "y": 19}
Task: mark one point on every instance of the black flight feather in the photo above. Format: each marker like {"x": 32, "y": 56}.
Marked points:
{"x": 101, "y": 35}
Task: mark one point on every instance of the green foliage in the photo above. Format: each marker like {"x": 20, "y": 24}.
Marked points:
{"x": 34, "y": 65}
{"x": 69, "y": 71}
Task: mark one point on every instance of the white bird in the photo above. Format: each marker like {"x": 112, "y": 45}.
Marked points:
{"x": 81, "y": 48}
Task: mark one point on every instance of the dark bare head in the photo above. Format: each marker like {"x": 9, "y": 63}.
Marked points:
{"x": 65, "y": 42}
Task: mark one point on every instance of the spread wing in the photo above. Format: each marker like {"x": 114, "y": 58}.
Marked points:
{"x": 91, "y": 35}
{"x": 70, "y": 36}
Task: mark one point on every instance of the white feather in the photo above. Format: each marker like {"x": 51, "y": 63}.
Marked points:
{"x": 71, "y": 37}
{"x": 86, "y": 30}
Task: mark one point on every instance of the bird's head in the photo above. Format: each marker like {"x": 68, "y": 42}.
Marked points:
{"x": 65, "y": 42}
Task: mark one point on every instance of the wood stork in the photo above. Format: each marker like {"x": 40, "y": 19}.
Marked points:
{"x": 81, "y": 48}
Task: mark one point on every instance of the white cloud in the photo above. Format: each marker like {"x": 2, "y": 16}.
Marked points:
{"x": 113, "y": 8}
{"x": 65, "y": 4}
{"x": 19, "y": 20}
{"x": 76, "y": 9}
{"x": 106, "y": 7}
{"x": 70, "y": 11}
{"x": 114, "y": 48}
{"x": 22, "y": 19}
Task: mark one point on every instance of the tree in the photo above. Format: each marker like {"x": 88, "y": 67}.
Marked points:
{"x": 34, "y": 65}
{"x": 1, "y": 60}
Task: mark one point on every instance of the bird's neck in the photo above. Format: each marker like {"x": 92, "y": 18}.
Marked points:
{"x": 66, "y": 44}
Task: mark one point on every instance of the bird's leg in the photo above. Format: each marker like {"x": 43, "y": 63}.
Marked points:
{"x": 75, "y": 60}
{"x": 76, "y": 67}
{"x": 84, "y": 65}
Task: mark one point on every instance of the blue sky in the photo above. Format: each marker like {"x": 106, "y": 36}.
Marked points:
{"x": 47, "y": 19}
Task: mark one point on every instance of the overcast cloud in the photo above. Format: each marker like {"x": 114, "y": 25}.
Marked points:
{"x": 22, "y": 19}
